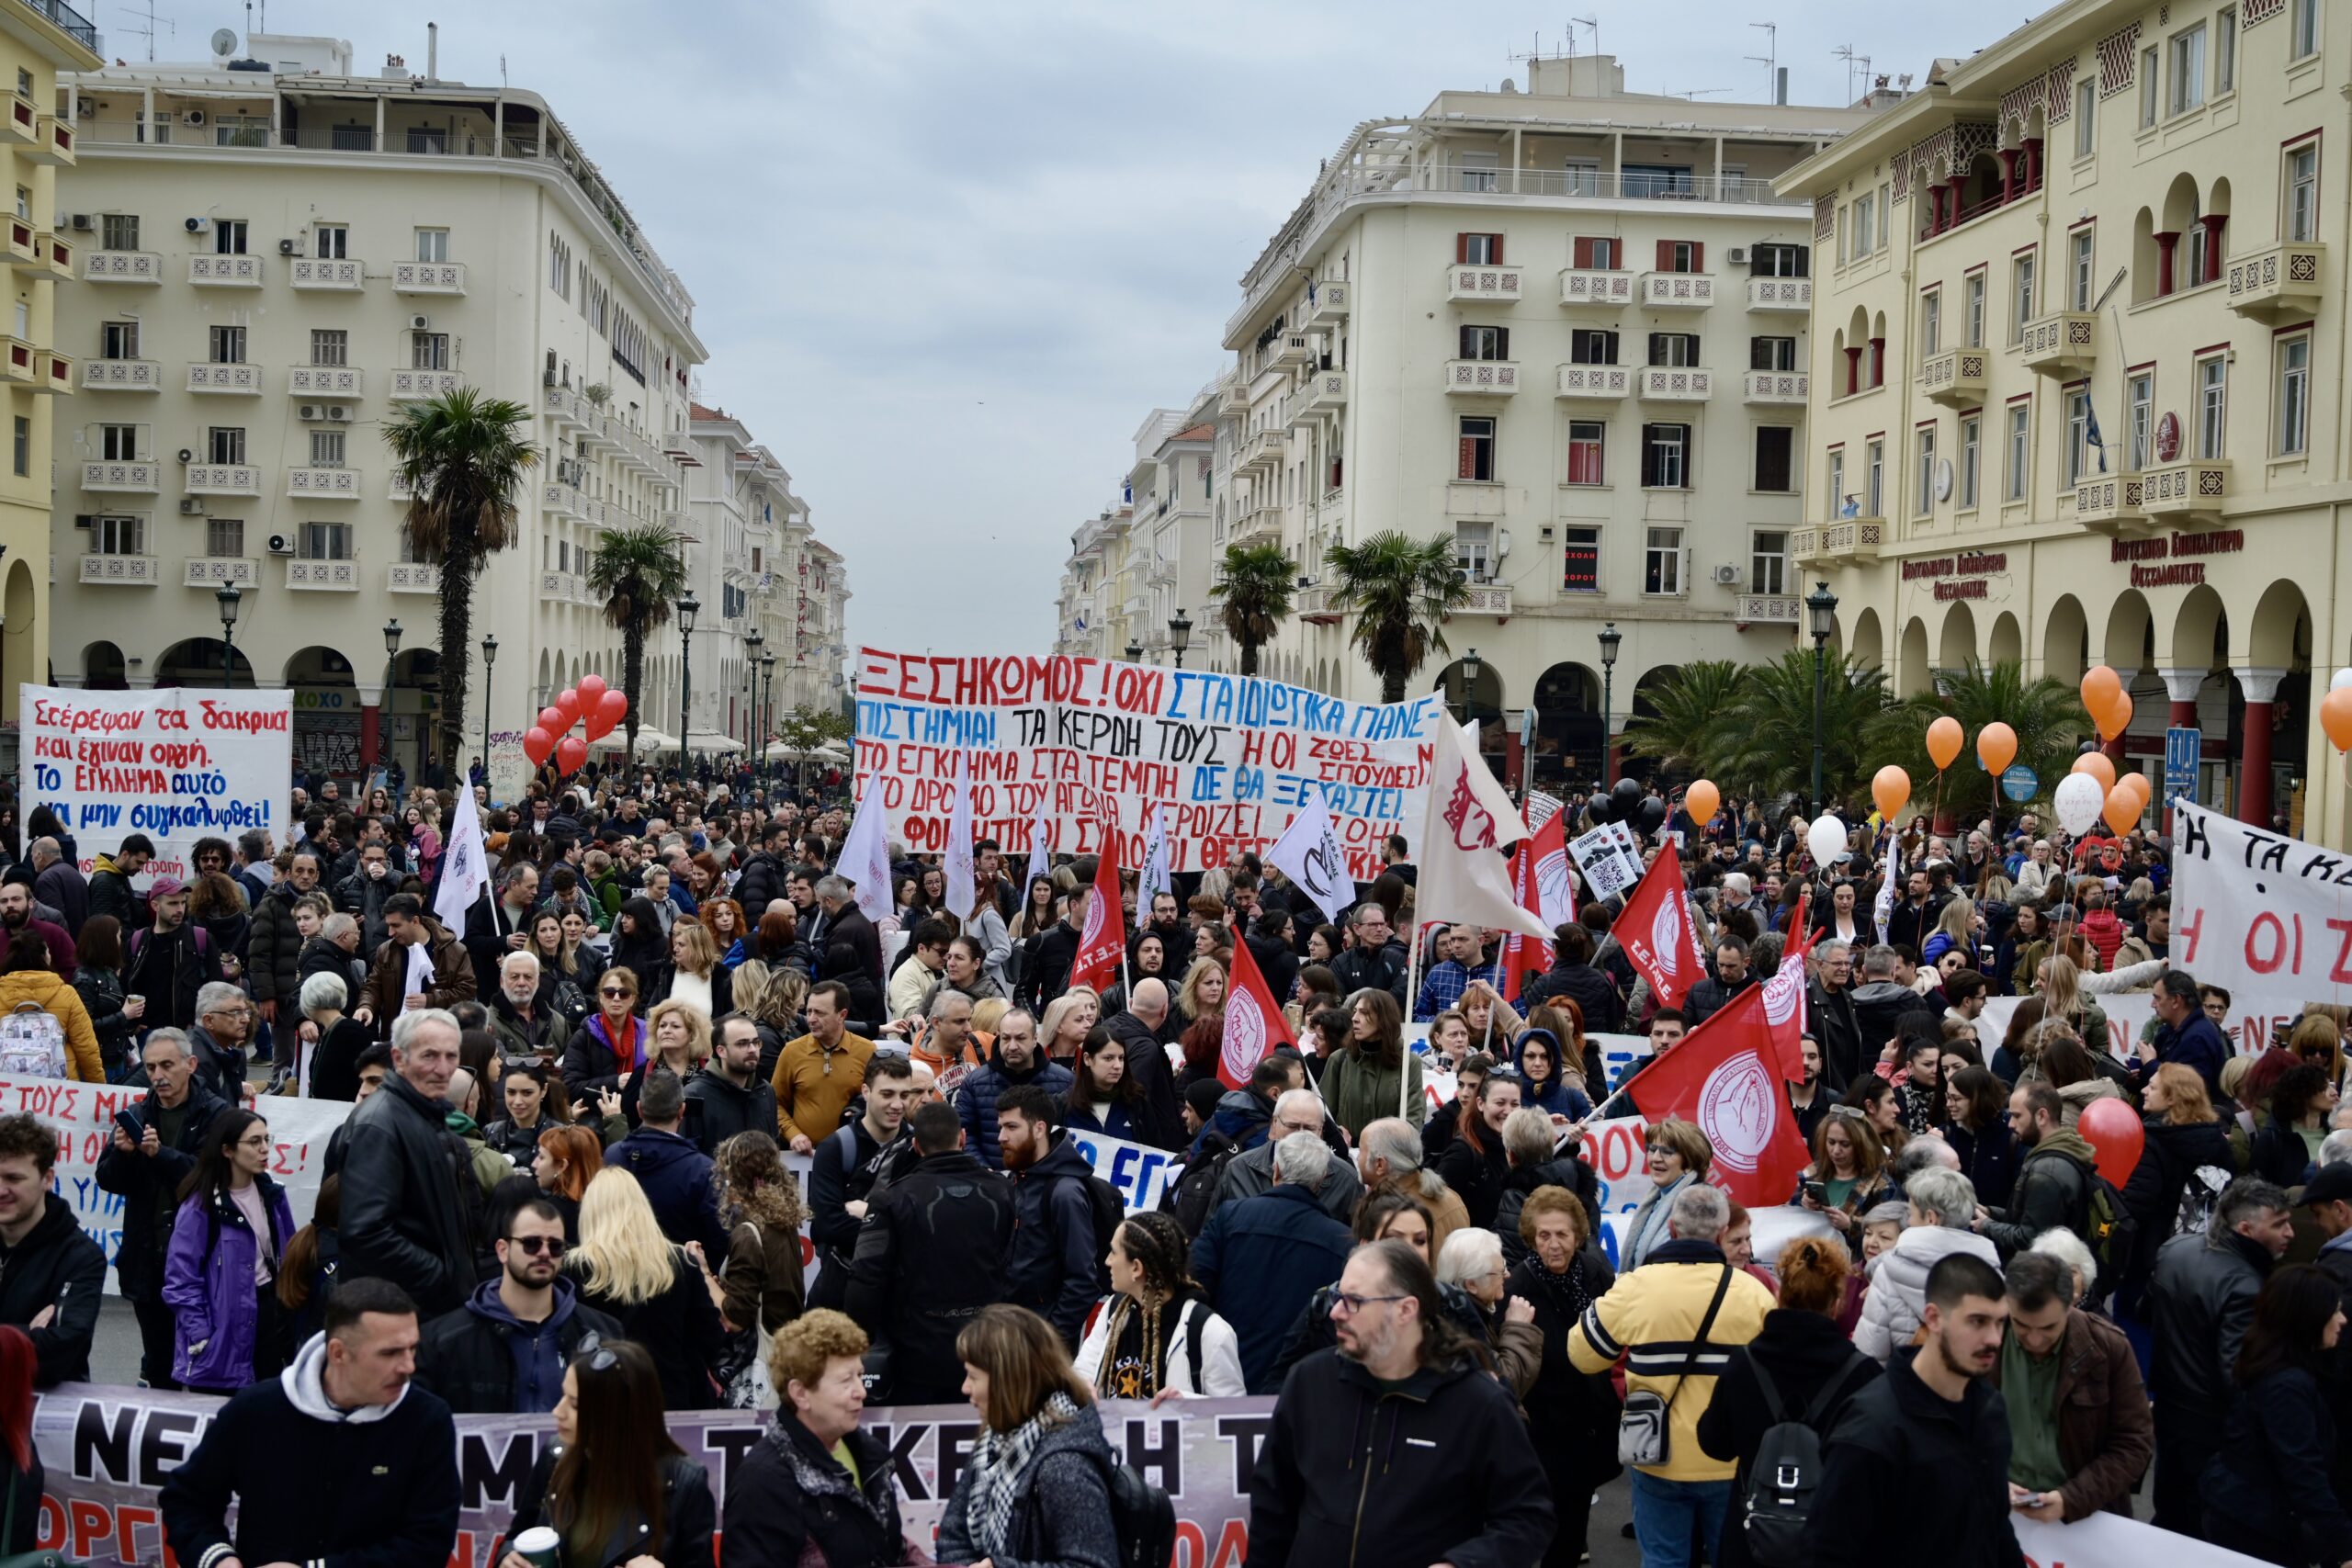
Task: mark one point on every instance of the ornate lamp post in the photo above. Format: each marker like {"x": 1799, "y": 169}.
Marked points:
{"x": 228, "y": 597}
{"x": 489, "y": 658}
{"x": 1609, "y": 639}
{"x": 687, "y": 608}
{"x": 1179, "y": 635}
{"x": 1821, "y": 614}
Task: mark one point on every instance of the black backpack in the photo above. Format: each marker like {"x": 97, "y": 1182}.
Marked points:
{"x": 1776, "y": 1515}
{"x": 1143, "y": 1517}
{"x": 1193, "y": 1197}
{"x": 1109, "y": 1211}
{"x": 2109, "y": 1229}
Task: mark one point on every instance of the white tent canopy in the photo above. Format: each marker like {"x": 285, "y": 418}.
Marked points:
{"x": 648, "y": 740}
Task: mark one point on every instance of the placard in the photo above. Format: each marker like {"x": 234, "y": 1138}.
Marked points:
{"x": 1139, "y": 1171}
{"x": 1610, "y": 857}
{"x": 2267, "y": 918}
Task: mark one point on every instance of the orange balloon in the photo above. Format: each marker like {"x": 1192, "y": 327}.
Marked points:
{"x": 1997, "y": 747}
{"x": 1891, "y": 790}
{"x": 2095, "y": 764}
{"x": 1701, "y": 801}
{"x": 2138, "y": 784}
{"x": 1944, "y": 737}
{"x": 2117, "y": 719}
{"x": 2101, "y": 686}
{"x": 2123, "y": 809}
{"x": 2336, "y": 717}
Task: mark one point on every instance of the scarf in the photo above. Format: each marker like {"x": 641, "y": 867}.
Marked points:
{"x": 630, "y": 1050}
{"x": 1000, "y": 1462}
{"x": 1568, "y": 1294}
{"x": 1137, "y": 1339}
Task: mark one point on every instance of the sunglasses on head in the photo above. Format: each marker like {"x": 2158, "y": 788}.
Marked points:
{"x": 594, "y": 1354}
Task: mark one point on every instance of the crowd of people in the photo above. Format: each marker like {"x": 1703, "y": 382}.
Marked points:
{"x": 566, "y": 1188}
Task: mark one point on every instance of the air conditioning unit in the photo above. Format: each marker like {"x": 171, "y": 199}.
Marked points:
{"x": 307, "y": 411}
{"x": 1739, "y": 255}
{"x": 191, "y": 506}
{"x": 279, "y": 545}
{"x": 85, "y": 222}
{"x": 83, "y": 520}
{"x": 1727, "y": 575}
{"x": 187, "y": 455}
{"x": 420, "y": 323}
{"x": 287, "y": 248}
{"x": 193, "y": 116}
{"x": 339, "y": 413}
{"x": 199, "y": 225}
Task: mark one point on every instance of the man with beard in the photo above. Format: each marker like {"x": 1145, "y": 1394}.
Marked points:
{"x": 170, "y": 964}
{"x": 1808, "y": 1097}
{"x": 274, "y": 951}
{"x": 525, "y": 1029}
{"x": 503, "y": 1352}
{"x": 2055, "y": 1168}
{"x": 1056, "y": 1253}
{"x": 1913, "y": 916}
{"x": 728, "y": 1095}
{"x": 1711, "y": 995}
{"x": 1921, "y": 1456}
{"x": 16, "y": 914}
{"x": 112, "y": 892}
{"x": 849, "y": 1167}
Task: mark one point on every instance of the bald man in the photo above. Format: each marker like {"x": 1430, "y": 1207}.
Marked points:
{"x": 1157, "y": 1119}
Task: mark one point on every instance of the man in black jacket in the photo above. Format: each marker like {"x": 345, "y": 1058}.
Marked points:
{"x": 173, "y": 1117}
{"x": 1574, "y": 976}
{"x": 274, "y": 948}
{"x": 846, "y": 925}
{"x": 1714, "y": 993}
{"x": 172, "y": 962}
{"x": 1055, "y": 1254}
{"x": 728, "y": 1095}
{"x": 848, "y": 1165}
{"x": 112, "y": 892}
{"x": 1921, "y": 1456}
{"x": 931, "y": 1252}
{"x": 2054, "y": 1166}
{"x": 674, "y": 1174}
{"x": 1829, "y": 1012}
{"x": 1880, "y": 1004}
{"x": 1160, "y": 1122}
{"x": 1373, "y": 961}
{"x": 403, "y": 1218}
{"x": 763, "y": 879}
{"x": 1046, "y": 975}
{"x": 51, "y": 1276}
{"x": 339, "y": 1460}
{"x": 505, "y": 1351}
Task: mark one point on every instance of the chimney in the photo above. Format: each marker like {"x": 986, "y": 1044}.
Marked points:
{"x": 1781, "y": 85}
{"x": 433, "y": 51}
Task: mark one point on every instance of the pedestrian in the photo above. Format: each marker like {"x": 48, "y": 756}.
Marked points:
{"x": 406, "y": 1212}
{"x": 1056, "y": 1254}
{"x": 864, "y": 1151}
{"x": 1539, "y": 1159}
{"x": 220, "y": 1273}
{"x": 503, "y": 1352}
{"x": 1155, "y": 1334}
{"x": 2055, "y": 1169}
{"x": 816, "y": 1489}
{"x": 113, "y": 1015}
{"x": 1295, "y": 1110}
{"x": 1572, "y": 1414}
{"x": 1260, "y": 1259}
{"x": 1678, "y": 1159}
{"x": 2080, "y": 1432}
{"x": 628, "y": 1270}
{"x": 419, "y": 967}
{"x": 1941, "y": 1208}
{"x": 1390, "y": 1155}
{"x": 50, "y": 1273}
{"x": 728, "y": 1095}
{"x": 44, "y": 1028}
{"x": 147, "y": 1173}
{"x": 674, "y": 1175}
{"x": 1476, "y": 1165}
{"x": 26, "y": 1476}
{"x": 565, "y": 1161}
{"x": 1369, "y": 1077}
{"x": 1034, "y": 1487}
{"x": 2265, "y": 1490}
{"x": 609, "y": 1049}
{"x": 1017, "y": 1059}
{"x": 761, "y": 1287}
{"x": 820, "y": 1073}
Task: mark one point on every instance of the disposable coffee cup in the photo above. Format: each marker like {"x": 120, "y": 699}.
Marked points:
{"x": 542, "y": 1548}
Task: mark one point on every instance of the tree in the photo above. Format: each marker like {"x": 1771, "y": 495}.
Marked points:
{"x": 2047, "y": 715}
{"x": 464, "y": 460}
{"x": 1253, "y": 591}
{"x": 1401, "y": 589}
{"x": 1688, "y": 711}
{"x": 1768, "y": 736}
{"x": 640, "y": 571}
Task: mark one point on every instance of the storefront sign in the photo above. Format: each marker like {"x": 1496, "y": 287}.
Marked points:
{"x": 2179, "y": 549}
{"x": 1961, "y": 575}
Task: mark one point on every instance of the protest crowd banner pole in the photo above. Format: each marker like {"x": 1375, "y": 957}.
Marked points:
{"x": 1412, "y": 991}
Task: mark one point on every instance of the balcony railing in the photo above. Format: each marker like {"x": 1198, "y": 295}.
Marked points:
{"x": 242, "y": 378}
{"x": 2192, "y": 491}
{"x": 1318, "y": 606}
{"x": 1293, "y": 349}
{"x": 122, "y": 266}
{"x": 1327, "y": 391}
{"x": 559, "y": 500}
{"x": 122, "y": 376}
{"x": 429, "y": 277}
{"x": 2064, "y": 345}
{"x": 1853, "y": 538}
{"x": 1596, "y": 183}
{"x": 1805, "y": 548}
{"x": 135, "y": 478}
{"x": 1779, "y": 294}
{"x": 234, "y": 272}
{"x": 1331, "y": 304}
{"x": 1776, "y": 389}
{"x": 416, "y": 386}
{"x": 1677, "y": 290}
{"x": 1233, "y": 397}
{"x": 1674, "y": 384}
{"x": 2110, "y": 504}
{"x": 1589, "y": 286}
{"x": 1954, "y": 377}
{"x": 337, "y": 273}
{"x": 326, "y": 381}
{"x": 412, "y": 577}
{"x": 1483, "y": 283}
{"x": 1485, "y": 599}
{"x": 1266, "y": 449}
{"x": 67, "y": 20}
{"x": 1482, "y": 377}
{"x": 333, "y": 576}
{"x": 2276, "y": 282}
{"x": 1260, "y": 522}
{"x": 120, "y": 571}
{"x": 323, "y": 484}
{"x": 1595, "y": 381}
{"x": 212, "y": 572}
{"x": 222, "y": 479}
{"x": 1769, "y": 609}
{"x": 52, "y": 142}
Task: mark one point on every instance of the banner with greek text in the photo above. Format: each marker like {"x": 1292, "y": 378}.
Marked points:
{"x": 176, "y": 764}
{"x": 2267, "y": 918}
{"x": 1139, "y": 1171}
{"x": 1231, "y": 759}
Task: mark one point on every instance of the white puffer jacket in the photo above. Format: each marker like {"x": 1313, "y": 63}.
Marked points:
{"x": 1898, "y": 1292}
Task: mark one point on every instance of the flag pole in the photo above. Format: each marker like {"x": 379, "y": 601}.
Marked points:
{"x": 1412, "y": 990}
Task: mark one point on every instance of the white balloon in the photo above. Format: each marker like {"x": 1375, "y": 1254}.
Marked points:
{"x": 2343, "y": 678}
{"x": 1826, "y": 840}
{"x": 2078, "y": 800}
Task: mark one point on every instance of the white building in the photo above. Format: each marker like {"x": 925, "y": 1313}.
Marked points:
{"x": 273, "y": 259}
{"x": 1135, "y": 566}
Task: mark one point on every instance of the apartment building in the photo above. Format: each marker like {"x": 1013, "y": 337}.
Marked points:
{"x": 2075, "y": 393}
{"x": 1095, "y": 617}
{"x": 1567, "y": 329}
{"x": 38, "y": 39}
{"x": 275, "y": 255}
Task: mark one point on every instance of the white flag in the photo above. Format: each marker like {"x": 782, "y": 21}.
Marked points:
{"x": 1153, "y": 877}
{"x": 958, "y": 862}
{"x": 420, "y": 977}
{"x": 1463, "y": 877}
{"x": 1041, "y": 855}
{"x": 465, "y": 867}
{"x": 865, "y": 857}
{"x": 1882, "y": 907}
{"x": 1308, "y": 853}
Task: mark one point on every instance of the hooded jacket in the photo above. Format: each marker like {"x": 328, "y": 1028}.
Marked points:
{"x": 209, "y": 1283}
{"x": 274, "y": 948}
{"x": 58, "y": 999}
{"x": 1897, "y": 1298}
{"x": 1055, "y": 1254}
{"x": 716, "y": 1108}
{"x": 676, "y": 1179}
{"x": 55, "y": 1266}
{"x": 1904, "y": 1464}
{"x": 2053, "y": 1189}
{"x": 1560, "y": 1093}
{"x": 112, "y": 894}
{"x": 486, "y": 1362}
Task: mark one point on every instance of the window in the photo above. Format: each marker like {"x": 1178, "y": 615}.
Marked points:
{"x": 25, "y": 203}
{"x": 2302, "y": 193}
{"x": 330, "y": 346}
{"x": 1485, "y": 249}
{"x": 1476, "y": 445}
{"x": 1475, "y": 171}
{"x": 432, "y": 244}
{"x": 1767, "y": 567}
{"x": 2086, "y": 117}
{"x": 2225, "y": 51}
{"x": 1666, "y": 457}
{"x": 1486, "y": 343}
{"x": 1472, "y": 542}
{"x": 434, "y": 138}
{"x": 1776, "y": 458}
{"x": 331, "y": 241}
{"x": 1972, "y": 326}
{"x": 326, "y": 449}
{"x": 241, "y": 130}
{"x": 24, "y": 82}
{"x": 118, "y": 232}
{"x": 2140, "y": 418}
{"x": 1582, "y": 176}
{"x": 22, "y": 451}
{"x": 1780, "y": 261}
{"x": 2302, "y": 40}
{"x": 558, "y": 264}
{"x": 2151, "y": 90}
{"x": 326, "y": 541}
{"x": 118, "y": 443}
{"x": 1678, "y": 349}
{"x": 228, "y": 346}
{"x": 2213, "y": 405}
{"x": 1837, "y": 486}
{"x": 1588, "y": 452}
{"x": 225, "y": 443}
{"x": 2020, "y": 435}
{"x": 1580, "y": 561}
{"x": 2079, "y": 253}
{"x": 1596, "y": 252}
{"x": 2203, "y": 265}
{"x": 1589, "y": 345}
{"x": 1931, "y": 322}
{"x": 1681, "y": 255}
{"x": 1662, "y": 562}
{"x": 2188, "y": 70}
{"x": 1772, "y": 354}
{"x": 119, "y": 340}
{"x": 2294, "y": 396}
{"x": 2020, "y": 295}
{"x": 1874, "y": 492}
{"x": 117, "y": 535}
{"x": 224, "y": 537}
{"x": 1922, "y": 493}
{"x": 229, "y": 237}
{"x": 428, "y": 351}
{"x": 1864, "y": 225}
{"x": 2078, "y": 436}
{"x": 1971, "y": 441}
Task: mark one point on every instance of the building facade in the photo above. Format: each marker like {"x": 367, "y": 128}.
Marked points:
{"x": 1565, "y": 329}
{"x": 2076, "y": 385}
{"x": 272, "y": 261}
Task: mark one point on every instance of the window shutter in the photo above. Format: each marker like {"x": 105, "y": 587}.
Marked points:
{"x": 1609, "y": 346}
{"x": 1494, "y": 249}
{"x": 1581, "y": 258}
{"x": 1658, "y": 348}
{"x": 1463, "y": 345}
{"x": 1502, "y": 342}
{"x": 1665, "y": 255}
{"x": 1467, "y": 460}
{"x": 1698, "y": 255}
{"x": 1649, "y": 454}
{"x": 1461, "y": 247}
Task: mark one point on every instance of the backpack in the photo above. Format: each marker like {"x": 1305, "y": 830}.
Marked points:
{"x": 32, "y": 1044}
{"x": 1192, "y": 1197}
{"x": 1109, "y": 1212}
{"x": 2109, "y": 1228}
{"x": 1776, "y": 1515}
{"x": 2199, "y": 1195}
{"x": 1143, "y": 1517}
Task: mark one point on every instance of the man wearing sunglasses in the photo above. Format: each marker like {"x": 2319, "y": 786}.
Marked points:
{"x": 503, "y": 1352}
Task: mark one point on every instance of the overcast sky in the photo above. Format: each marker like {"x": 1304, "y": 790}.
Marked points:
{"x": 945, "y": 257}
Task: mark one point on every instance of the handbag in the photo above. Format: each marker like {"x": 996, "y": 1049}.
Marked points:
{"x": 1643, "y": 1427}
{"x": 34, "y": 1558}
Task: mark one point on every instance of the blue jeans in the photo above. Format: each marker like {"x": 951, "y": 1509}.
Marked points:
{"x": 1665, "y": 1513}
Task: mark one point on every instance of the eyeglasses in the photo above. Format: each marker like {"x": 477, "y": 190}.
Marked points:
{"x": 1345, "y": 1304}
{"x": 535, "y": 1244}
{"x": 261, "y": 1142}
{"x": 594, "y": 1354}
{"x": 614, "y": 991}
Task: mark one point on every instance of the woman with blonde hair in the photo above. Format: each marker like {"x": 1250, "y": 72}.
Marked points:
{"x": 695, "y": 974}
{"x": 2063, "y": 998}
{"x": 1069, "y": 1018}
{"x": 1032, "y": 1491}
{"x": 1493, "y": 1023}
{"x": 628, "y": 1270}
{"x": 680, "y": 1040}
{"x": 1200, "y": 1003}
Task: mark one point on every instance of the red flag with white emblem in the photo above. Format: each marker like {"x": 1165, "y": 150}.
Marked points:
{"x": 1524, "y": 957}
{"x": 1254, "y": 1025}
{"x": 1655, "y": 932}
{"x": 1784, "y": 1000}
{"x": 1103, "y": 940}
{"x": 1721, "y": 1076}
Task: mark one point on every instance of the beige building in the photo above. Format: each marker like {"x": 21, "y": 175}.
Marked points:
{"x": 272, "y": 262}
{"x": 2076, "y": 396}
{"x": 1134, "y": 567}
{"x": 1565, "y": 328}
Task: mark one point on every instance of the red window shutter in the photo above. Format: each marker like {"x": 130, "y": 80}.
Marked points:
{"x": 1495, "y": 248}
{"x": 1502, "y": 342}
{"x": 1461, "y": 247}
{"x": 1582, "y": 259}
{"x": 1665, "y": 255}
{"x": 1698, "y": 256}
{"x": 1467, "y": 460}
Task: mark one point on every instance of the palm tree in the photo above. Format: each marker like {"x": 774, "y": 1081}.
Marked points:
{"x": 2046, "y": 713}
{"x": 463, "y": 457}
{"x": 1253, "y": 587}
{"x": 640, "y": 570}
{"x": 1688, "y": 715}
{"x": 1768, "y": 732}
{"x": 1401, "y": 589}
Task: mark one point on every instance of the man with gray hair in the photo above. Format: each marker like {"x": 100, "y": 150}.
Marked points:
{"x": 1942, "y": 1209}
{"x": 1389, "y": 1154}
{"x": 1374, "y": 958}
{"x": 526, "y": 1028}
{"x": 59, "y": 883}
{"x": 1250, "y": 1174}
{"x": 406, "y": 1216}
{"x": 147, "y": 1172}
{"x": 1882, "y": 1001}
{"x": 1261, "y": 1259}
{"x": 846, "y": 926}
{"x": 223, "y": 1015}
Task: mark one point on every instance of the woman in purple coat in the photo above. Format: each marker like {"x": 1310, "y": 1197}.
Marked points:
{"x": 220, "y": 1274}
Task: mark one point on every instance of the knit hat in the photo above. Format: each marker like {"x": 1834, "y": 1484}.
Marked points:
{"x": 1201, "y": 1095}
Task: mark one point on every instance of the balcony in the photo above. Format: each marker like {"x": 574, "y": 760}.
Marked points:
{"x": 1852, "y": 540}
{"x": 560, "y": 588}
{"x": 225, "y": 272}
{"x": 416, "y": 386}
{"x": 1262, "y": 524}
{"x": 222, "y": 479}
{"x": 23, "y": 247}
{"x": 1768, "y": 609}
{"x": 1319, "y": 607}
{"x": 122, "y": 478}
{"x": 396, "y": 488}
{"x": 559, "y": 500}
{"x": 23, "y": 126}
{"x": 1673, "y": 383}
{"x": 57, "y": 371}
{"x": 2277, "y": 283}
{"x": 1485, "y": 599}
{"x": 120, "y": 571}
{"x": 323, "y": 484}
{"x": 1264, "y": 451}
{"x": 1805, "y": 548}
{"x": 1293, "y": 350}
{"x": 121, "y": 266}
{"x": 1677, "y": 290}
{"x": 1481, "y": 283}
{"x": 429, "y": 277}
{"x": 212, "y": 572}
{"x": 20, "y": 363}
{"x": 2061, "y": 345}
{"x": 1954, "y": 377}
{"x": 331, "y": 576}
{"x": 59, "y": 251}
{"x": 412, "y": 577}
{"x": 1592, "y": 287}
{"x": 1482, "y": 377}
{"x": 1595, "y": 382}
{"x": 567, "y": 407}
{"x": 1234, "y": 396}
{"x": 1774, "y": 389}
{"x": 240, "y": 379}
{"x": 1331, "y": 304}
{"x": 2110, "y": 504}
{"x": 122, "y": 376}
{"x": 1327, "y": 391}
{"x": 52, "y": 144}
{"x": 1794, "y": 294}
{"x": 2190, "y": 492}
{"x": 333, "y": 274}
{"x": 326, "y": 381}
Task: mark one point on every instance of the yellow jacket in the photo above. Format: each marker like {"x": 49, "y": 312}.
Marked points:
{"x": 1650, "y": 1318}
{"x": 55, "y": 997}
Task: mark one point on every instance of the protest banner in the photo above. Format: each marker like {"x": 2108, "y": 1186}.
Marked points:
{"x": 2267, "y": 918}
{"x": 1229, "y": 758}
{"x": 174, "y": 765}
{"x": 2128, "y": 1014}
{"x": 1137, "y": 1170}
{"x": 1610, "y": 860}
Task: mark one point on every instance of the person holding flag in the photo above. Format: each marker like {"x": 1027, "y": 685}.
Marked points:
{"x": 1254, "y": 1025}
{"x": 1655, "y": 931}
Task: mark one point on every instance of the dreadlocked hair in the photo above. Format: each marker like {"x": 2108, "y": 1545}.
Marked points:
{"x": 1159, "y": 1248}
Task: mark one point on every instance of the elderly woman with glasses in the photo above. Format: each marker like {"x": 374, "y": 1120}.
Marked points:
{"x": 609, "y": 1050}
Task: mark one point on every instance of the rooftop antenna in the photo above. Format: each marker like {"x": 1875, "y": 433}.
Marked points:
{"x": 1770, "y": 58}
{"x": 148, "y": 32}
{"x": 1594, "y": 23}
{"x": 1855, "y": 63}
{"x": 1695, "y": 93}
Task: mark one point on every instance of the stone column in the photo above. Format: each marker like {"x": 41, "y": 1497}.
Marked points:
{"x": 2261, "y": 689}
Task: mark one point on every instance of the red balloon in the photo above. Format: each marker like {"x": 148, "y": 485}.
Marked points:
{"x": 2113, "y": 1129}
{"x": 591, "y": 689}
{"x": 570, "y": 753}
{"x": 553, "y": 722}
{"x": 598, "y": 727}
{"x": 567, "y": 703}
{"x": 613, "y": 708}
{"x": 538, "y": 743}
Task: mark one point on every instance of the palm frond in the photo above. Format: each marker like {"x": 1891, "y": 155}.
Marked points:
{"x": 640, "y": 571}
{"x": 1253, "y": 594}
{"x": 1400, "y": 590}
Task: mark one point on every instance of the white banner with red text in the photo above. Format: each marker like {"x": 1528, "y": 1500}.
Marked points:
{"x": 2267, "y": 918}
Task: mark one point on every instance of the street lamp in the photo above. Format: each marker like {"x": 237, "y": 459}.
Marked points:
{"x": 767, "y": 711}
{"x": 489, "y": 658}
{"x": 228, "y": 597}
{"x": 1469, "y": 680}
{"x": 392, "y": 677}
{"x": 1179, "y": 635}
{"x": 687, "y": 607}
{"x": 1135, "y": 652}
{"x": 752, "y": 646}
{"x": 1610, "y": 638}
{"x": 1821, "y": 612}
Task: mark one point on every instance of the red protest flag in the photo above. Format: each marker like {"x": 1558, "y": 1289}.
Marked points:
{"x": 1655, "y": 930}
{"x": 1721, "y": 1076}
{"x": 1254, "y": 1024}
{"x": 1524, "y": 957}
{"x": 1103, "y": 940}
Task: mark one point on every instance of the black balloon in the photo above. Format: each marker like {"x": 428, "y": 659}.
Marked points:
{"x": 1652, "y": 815}
{"x": 1625, "y": 800}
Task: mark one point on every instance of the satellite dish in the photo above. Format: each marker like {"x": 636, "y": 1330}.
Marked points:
{"x": 224, "y": 42}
